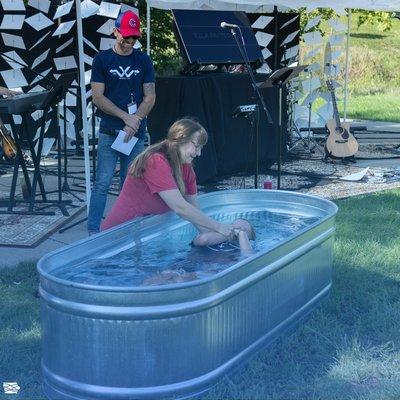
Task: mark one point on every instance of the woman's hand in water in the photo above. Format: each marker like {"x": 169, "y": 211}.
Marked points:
{"x": 227, "y": 230}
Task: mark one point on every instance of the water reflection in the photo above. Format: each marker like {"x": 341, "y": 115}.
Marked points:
{"x": 171, "y": 259}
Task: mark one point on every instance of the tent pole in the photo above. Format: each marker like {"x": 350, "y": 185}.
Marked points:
{"x": 148, "y": 29}
{"x": 83, "y": 101}
{"x": 276, "y": 42}
{"x": 346, "y": 78}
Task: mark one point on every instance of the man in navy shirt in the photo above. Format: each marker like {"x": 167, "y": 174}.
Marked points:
{"x": 124, "y": 93}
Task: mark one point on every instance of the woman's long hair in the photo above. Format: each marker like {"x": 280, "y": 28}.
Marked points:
{"x": 182, "y": 131}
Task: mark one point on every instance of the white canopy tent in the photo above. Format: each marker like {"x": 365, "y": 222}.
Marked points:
{"x": 85, "y": 127}
{"x": 283, "y": 5}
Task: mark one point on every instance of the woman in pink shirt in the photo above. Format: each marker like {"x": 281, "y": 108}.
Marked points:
{"x": 162, "y": 179}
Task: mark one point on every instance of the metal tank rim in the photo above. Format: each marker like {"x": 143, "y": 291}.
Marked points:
{"x": 41, "y": 266}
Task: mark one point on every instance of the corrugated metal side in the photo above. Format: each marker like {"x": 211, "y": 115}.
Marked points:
{"x": 101, "y": 358}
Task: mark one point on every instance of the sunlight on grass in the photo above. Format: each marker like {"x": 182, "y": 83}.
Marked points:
{"x": 334, "y": 355}
{"x": 381, "y": 107}
{"x": 369, "y": 369}
{"x": 374, "y": 73}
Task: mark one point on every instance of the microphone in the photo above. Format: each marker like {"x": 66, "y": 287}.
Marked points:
{"x": 226, "y": 25}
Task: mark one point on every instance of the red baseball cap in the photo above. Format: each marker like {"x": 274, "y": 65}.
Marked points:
{"x": 128, "y": 24}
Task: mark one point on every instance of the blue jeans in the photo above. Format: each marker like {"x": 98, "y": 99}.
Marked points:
{"x": 106, "y": 162}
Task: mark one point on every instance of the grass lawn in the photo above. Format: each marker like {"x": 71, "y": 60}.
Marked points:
{"x": 376, "y": 107}
{"x": 374, "y": 74}
{"x": 349, "y": 349}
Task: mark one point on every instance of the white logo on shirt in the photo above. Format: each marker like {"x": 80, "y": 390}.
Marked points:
{"x": 124, "y": 73}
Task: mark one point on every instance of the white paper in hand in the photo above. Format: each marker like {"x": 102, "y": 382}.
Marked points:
{"x": 124, "y": 147}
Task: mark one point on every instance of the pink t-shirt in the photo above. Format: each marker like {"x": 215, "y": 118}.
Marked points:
{"x": 139, "y": 196}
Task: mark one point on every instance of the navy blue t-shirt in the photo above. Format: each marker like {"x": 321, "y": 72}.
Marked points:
{"x": 123, "y": 77}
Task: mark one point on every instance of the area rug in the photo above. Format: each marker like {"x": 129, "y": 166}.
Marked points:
{"x": 28, "y": 231}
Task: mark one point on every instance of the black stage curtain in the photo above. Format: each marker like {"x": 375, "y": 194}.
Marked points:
{"x": 211, "y": 99}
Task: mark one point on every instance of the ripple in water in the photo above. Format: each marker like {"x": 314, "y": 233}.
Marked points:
{"x": 166, "y": 260}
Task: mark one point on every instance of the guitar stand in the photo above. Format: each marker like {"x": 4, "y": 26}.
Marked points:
{"x": 344, "y": 160}
{"x": 310, "y": 135}
{"x": 307, "y": 140}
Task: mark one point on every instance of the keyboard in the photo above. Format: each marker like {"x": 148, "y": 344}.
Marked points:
{"x": 22, "y": 103}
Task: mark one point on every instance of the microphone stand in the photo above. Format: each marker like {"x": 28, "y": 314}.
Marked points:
{"x": 256, "y": 90}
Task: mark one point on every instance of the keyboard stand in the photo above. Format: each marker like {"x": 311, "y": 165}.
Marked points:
{"x": 53, "y": 97}
{"x": 20, "y": 162}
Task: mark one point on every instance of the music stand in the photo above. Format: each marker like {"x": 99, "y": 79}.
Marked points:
{"x": 278, "y": 79}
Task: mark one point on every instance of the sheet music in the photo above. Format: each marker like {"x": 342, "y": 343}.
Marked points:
{"x": 13, "y": 41}
{"x": 261, "y": 22}
{"x": 124, "y": 147}
{"x": 14, "y": 78}
{"x": 39, "y": 21}
{"x": 109, "y": 9}
{"x": 41, "y": 5}
{"x": 12, "y": 21}
{"x": 107, "y": 28}
{"x": 13, "y": 5}
{"x": 62, "y": 10}
{"x": 63, "y": 28}
{"x": 14, "y": 56}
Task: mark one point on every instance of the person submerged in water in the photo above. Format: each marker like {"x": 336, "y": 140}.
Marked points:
{"x": 243, "y": 233}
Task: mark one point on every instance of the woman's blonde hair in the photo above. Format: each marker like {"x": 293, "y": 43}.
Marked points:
{"x": 182, "y": 131}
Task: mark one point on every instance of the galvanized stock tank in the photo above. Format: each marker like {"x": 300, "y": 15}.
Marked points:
{"x": 175, "y": 340}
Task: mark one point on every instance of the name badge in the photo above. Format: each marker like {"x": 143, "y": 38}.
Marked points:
{"x": 132, "y": 108}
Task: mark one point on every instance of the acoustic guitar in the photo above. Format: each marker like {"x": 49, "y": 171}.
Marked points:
{"x": 340, "y": 143}
{"x": 7, "y": 142}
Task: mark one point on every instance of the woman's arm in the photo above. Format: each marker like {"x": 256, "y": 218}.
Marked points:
{"x": 192, "y": 199}
{"x": 244, "y": 243}
{"x": 7, "y": 92}
{"x": 175, "y": 201}
{"x": 208, "y": 239}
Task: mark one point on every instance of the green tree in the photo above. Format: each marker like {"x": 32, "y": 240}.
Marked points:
{"x": 381, "y": 19}
{"x": 164, "y": 48}
{"x": 324, "y": 13}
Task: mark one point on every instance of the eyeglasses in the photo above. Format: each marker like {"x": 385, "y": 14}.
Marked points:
{"x": 196, "y": 145}
{"x": 128, "y": 39}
